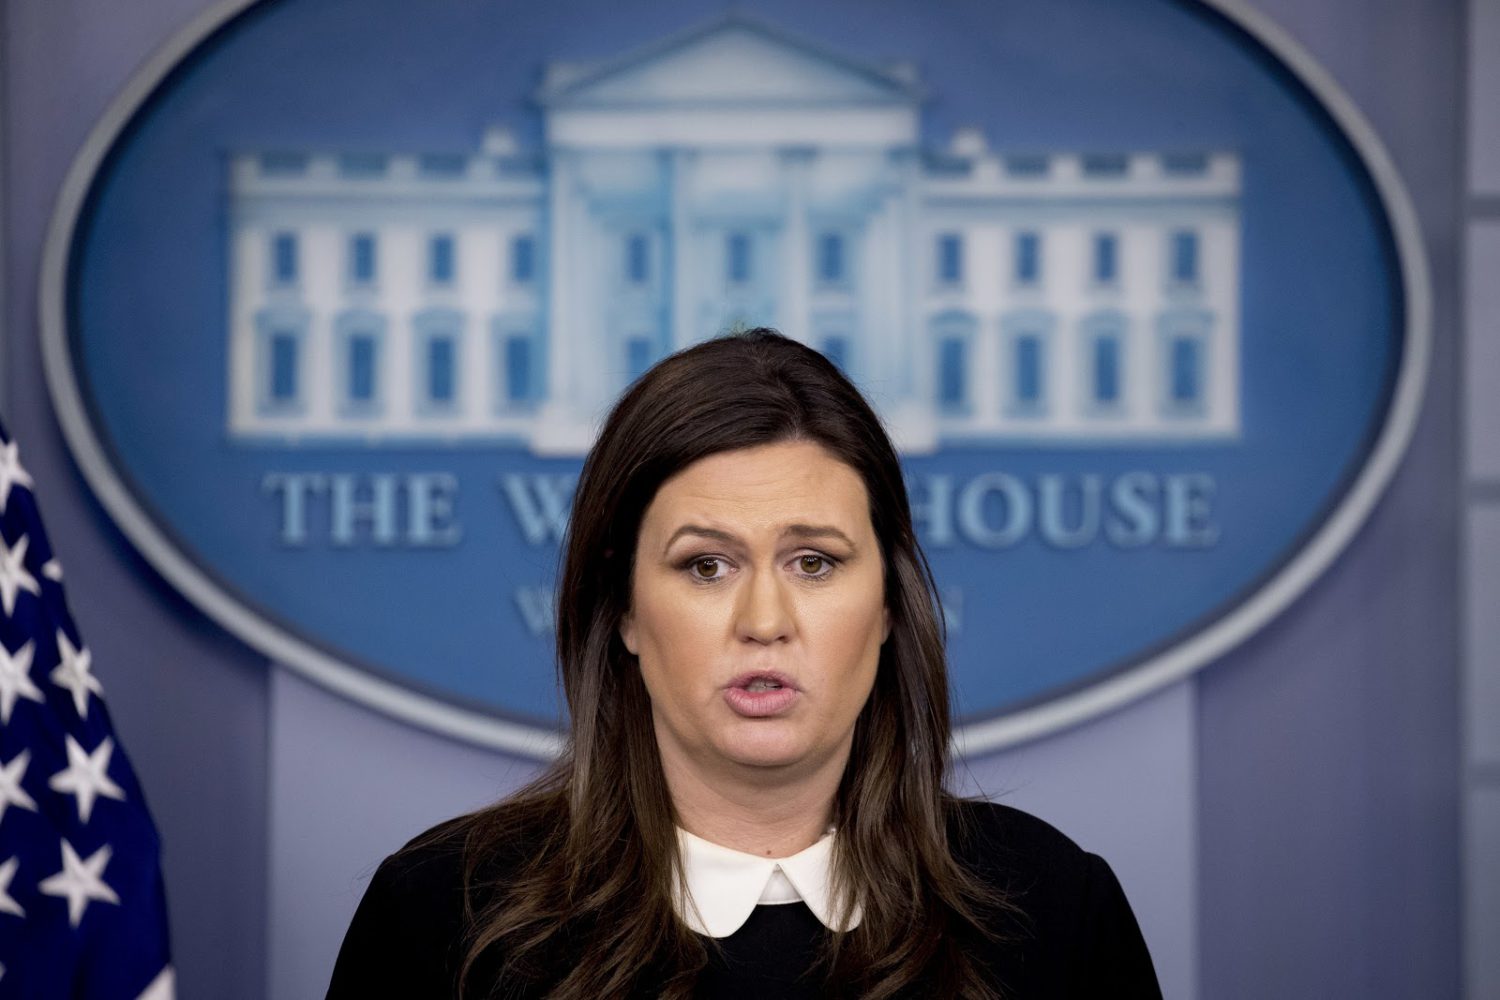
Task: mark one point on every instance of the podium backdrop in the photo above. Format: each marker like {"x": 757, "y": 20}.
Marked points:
{"x": 1306, "y": 803}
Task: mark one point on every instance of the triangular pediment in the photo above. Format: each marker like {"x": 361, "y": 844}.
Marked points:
{"x": 730, "y": 61}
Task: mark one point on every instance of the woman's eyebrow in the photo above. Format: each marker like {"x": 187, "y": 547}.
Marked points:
{"x": 701, "y": 532}
{"x": 801, "y": 531}
{"x": 817, "y": 531}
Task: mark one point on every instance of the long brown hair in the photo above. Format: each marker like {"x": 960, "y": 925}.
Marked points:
{"x": 587, "y": 912}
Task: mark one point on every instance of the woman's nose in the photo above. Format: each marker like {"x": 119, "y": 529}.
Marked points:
{"x": 763, "y": 613}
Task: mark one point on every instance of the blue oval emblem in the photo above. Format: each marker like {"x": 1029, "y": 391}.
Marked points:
{"x": 337, "y": 294}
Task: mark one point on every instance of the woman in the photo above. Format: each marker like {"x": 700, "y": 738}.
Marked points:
{"x": 751, "y": 801}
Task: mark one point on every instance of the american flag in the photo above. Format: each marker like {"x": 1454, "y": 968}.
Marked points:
{"x": 82, "y": 911}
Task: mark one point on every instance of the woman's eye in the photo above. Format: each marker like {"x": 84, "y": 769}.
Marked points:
{"x": 813, "y": 565}
{"x": 706, "y": 569}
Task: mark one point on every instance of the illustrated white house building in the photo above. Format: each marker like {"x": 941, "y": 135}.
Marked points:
{"x": 733, "y": 175}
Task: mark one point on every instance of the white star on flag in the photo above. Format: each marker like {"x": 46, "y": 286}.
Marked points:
{"x": 72, "y": 672}
{"x": 15, "y": 680}
{"x": 80, "y": 881}
{"x": 14, "y": 577}
{"x": 11, "y": 473}
{"x": 86, "y": 776}
{"x": 46, "y": 737}
{"x": 7, "y": 904}
{"x": 11, "y": 792}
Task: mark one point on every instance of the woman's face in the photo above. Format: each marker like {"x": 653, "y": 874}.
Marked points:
{"x": 758, "y": 608}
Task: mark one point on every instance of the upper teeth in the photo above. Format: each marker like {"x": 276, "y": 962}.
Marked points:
{"x": 762, "y": 685}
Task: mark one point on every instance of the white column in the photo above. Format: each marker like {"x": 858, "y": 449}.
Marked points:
{"x": 911, "y": 363}
{"x": 403, "y": 273}
{"x": 560, "y": 276}
{"x": 681, "y": 168}
{"x": 916, "y": 380}
{"x": 796, "y": 319}
{"x": 248, "y": 281}
{"x": 882, "y": 305}
{"x": 1063, "y": 271}
{"x": 574, "y": 315}
{"x": 1219, "y": 260}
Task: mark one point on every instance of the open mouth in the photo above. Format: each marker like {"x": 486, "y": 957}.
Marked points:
{"x": 761, "y": 695}
{"x": 761, "y": 681}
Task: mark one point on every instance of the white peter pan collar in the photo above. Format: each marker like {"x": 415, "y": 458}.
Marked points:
{"x": 724, "y": 885}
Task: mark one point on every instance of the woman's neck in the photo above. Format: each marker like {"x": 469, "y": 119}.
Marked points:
{"x": 755, "y": 810}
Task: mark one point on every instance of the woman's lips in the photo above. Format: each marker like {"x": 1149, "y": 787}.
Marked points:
{"x": 761, "y": 695}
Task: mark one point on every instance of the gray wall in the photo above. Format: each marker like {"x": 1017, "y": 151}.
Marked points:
{"x": 190, "y": 703}
{"x": 1481, "y": 551}
{"x": 1328, "y": 754}
{"x": 1287, "y": 823}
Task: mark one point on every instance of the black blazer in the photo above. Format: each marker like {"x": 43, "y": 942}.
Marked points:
{"x": 1075, "y": 935}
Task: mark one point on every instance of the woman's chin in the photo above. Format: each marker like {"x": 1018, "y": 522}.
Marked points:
{"x": 764, "y": 744}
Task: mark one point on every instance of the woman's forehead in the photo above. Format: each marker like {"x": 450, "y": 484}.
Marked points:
{"x": 768, "y": 488}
